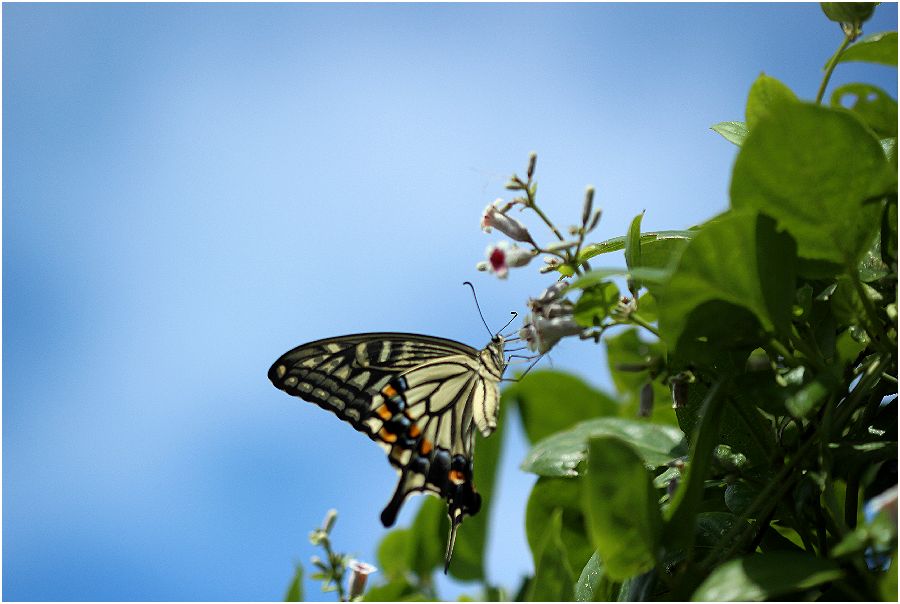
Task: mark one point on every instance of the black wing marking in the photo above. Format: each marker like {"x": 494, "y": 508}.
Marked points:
{"x": 344, "y": 374}
{"x": 415, "y": 395}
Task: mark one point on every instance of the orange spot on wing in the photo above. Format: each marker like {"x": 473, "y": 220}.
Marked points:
{"x": 457, "y": 477}
{"x": 425, "y": 447}
{"x": 388, "y": 437}
{"x": 414, "y": 431}
{"x": 384, "y": 412}
{"x": 389, "y": 391}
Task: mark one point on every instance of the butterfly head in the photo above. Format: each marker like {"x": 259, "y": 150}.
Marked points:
{"x": 492, "y": 356}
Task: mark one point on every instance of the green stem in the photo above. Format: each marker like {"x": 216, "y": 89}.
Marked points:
{"x": 871, "y": 318}
{"x": 831, "y": 65}
{"x": 781, "y": 349}
{"x": 337, "y": 571}
{"x": 769, "y": 496}
{"x": 639, "y": 321}
{"x": 532, "y": 203}
{"x": 533, "y": 206}
{"x": 809, "y": 352}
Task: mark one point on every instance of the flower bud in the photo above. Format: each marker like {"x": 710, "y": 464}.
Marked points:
{"x": 679, "y": 394}
{"x": 532, "y": 161}
{"x": 494, "y": 217}
{"x": 359, "y": 573}
{"x": 560, "y": 245}
{"x": 330, "y": 519}
{"x": 588, "y": 206}
{"x": 645, "y": 409}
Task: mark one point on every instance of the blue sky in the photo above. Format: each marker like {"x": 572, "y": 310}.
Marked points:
{"x": 191, "y": 190}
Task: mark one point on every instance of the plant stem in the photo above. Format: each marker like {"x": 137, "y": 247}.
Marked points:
{"x": 533, "y": 205}
{"x": 831, "y": 65}
{"x": 336, "y": 570}
{"x": 781, "y": 349}
{"x": 769, "y": 496}
{"x": 871, "y": 318}
{"x": 639, "y": 321}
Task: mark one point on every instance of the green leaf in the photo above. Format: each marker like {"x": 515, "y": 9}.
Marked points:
{"x": 872, "y": 267}
{"x": 809, "y": 398}
{"x": 813, "y": 170}
{"x": 429, "y": 532}
{"x": 848, "y": 12}
{"x": 625, "y": 353}
{"x": 872, "y": 104}
{"x": 733, "y": 132}
{"x": 618, "y": 243}
{"x": 621, "y": 507}
{"x": 596, "y": 303}
{"x": 766, "y": 95}
{"x": 550, "y": 401}
{"x": 874, "y": 48}
{"x": 395, "y": 591}
{"x": 711, "y": 527}
{"x": 295, "y": 589}
{"x": 889, "y": 146}
{"x": 468, "y": 555}
{"x": 553, "y": 576}
{"x": 847, "y": 305}
{"x": 683, "y": 509}
{"x": 739, "y": 260}
{"x": 888, "y": 584}
{"x": 550, "y": 496}
{"x": 639, "y": 588}
{"x": 561, "y": 453}
{"x": 763, "y": 576}
{"x": 395, "y": 553}
{"x": 742, "y": 429}
{"x": 643, "y": 273}
{"x": 633, "y": 243}
{"x": 592, "y": 585}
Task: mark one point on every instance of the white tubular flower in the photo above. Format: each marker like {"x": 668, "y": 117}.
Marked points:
{"x": 542, "y": 333}
{"x": 360, "y": 571}
{"x": 494, "y": 217}
{"x": 503, "y": 256}
{"x": 548, "y": 304}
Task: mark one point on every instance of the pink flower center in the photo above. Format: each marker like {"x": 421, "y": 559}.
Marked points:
{"x": 498, "y": 259}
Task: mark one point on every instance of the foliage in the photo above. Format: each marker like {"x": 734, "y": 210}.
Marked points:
{"x": 773, "y": 330}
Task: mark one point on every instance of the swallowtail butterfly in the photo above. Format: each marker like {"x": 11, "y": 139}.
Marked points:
{"x": 419, "y": 397}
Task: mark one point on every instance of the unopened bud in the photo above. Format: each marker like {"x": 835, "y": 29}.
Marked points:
{"x": 560, "y": 245}
{"x": 532, "y": 161}
{"x": 679, "y": 394}
{"x": 330, "y": 519}
{"x": 588, "y": 206}
{"x": 594, "y": 220}
{"x": 645, "y": 409}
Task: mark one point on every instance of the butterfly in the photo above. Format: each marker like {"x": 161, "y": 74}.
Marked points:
{"x": 420, "y": 397}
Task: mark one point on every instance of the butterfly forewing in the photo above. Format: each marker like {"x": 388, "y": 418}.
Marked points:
{"x": 419, "y": 397}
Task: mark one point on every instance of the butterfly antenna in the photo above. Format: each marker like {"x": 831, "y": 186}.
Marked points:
{"x": 480, "y": 315}
{"x": 514, "y": 315}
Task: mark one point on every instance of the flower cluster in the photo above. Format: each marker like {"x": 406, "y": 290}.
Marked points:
{"x": 551, "y": 317}
{"x": 550, "y": 320}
